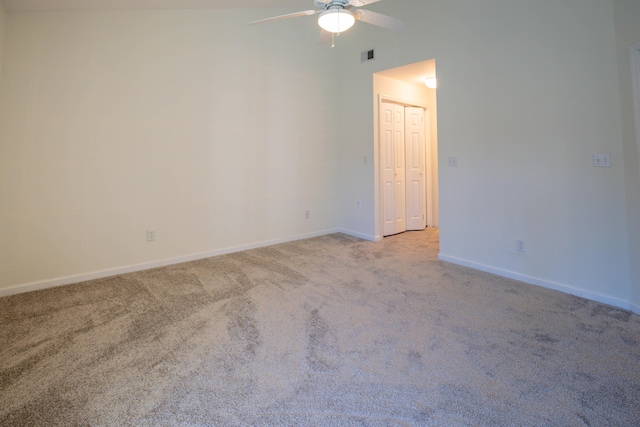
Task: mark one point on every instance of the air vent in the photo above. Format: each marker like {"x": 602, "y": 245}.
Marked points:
{"x": 367, "y": 55}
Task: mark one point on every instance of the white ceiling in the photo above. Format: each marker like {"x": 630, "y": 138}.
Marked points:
{"x": 412, "y": 73}
{"x": 66, "y": 5}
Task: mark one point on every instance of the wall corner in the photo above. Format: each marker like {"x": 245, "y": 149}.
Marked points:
{"x": 3, "y": 31}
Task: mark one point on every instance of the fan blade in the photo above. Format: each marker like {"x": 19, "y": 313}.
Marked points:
{"x": 360, "y": 3}
{"x": 325, "y": 37}
{"x": 287, "y": 16}
{"x": 380, "y": 20}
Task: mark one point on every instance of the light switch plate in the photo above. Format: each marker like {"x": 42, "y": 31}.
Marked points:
{"x": 602, "y": 160}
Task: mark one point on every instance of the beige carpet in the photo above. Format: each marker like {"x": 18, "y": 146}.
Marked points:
{"x": 325, "y": 331}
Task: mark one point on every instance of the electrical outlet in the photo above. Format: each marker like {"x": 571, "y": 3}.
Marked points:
{"x": 307, "y": 214}
{"x": 151, "y": 235}
{"x": 452, "y": 162}
{"x": 520, "y": 247}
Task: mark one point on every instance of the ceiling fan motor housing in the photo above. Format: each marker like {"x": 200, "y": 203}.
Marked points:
{"x": 320, "y": 4}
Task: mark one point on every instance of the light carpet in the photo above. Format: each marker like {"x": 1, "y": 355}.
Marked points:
{"x": 328, "y": 331}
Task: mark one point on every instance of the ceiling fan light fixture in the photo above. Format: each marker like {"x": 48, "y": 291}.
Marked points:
{"x": 336, "y": 20}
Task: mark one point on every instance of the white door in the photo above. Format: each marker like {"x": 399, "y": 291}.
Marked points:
{"x": 388, "y": 173}
{"x": 415, "y": 169}
{"x": 394, "y": 175}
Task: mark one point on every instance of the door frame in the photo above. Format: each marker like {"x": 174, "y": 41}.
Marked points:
{"x": 379, "y": 169}
{"x": 634, "y": 52}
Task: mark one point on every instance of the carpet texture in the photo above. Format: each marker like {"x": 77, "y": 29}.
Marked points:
{"x": 329, "y": 331}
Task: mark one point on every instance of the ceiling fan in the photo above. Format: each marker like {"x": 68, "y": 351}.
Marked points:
{"x": 337, "y": 16}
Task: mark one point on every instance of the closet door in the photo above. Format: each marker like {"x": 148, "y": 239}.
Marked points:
{"x": 415, "y": 169}
{"x": 392, "y": 130}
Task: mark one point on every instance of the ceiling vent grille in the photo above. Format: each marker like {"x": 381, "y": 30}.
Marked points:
{"x": 367, "y": 55}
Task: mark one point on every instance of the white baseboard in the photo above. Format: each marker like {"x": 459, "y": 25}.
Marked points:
{"x": 358, "y": 235}
{"x": 46, "y": 284}
{"x": 61, "y": 281}
{"x": 616, "y": 302}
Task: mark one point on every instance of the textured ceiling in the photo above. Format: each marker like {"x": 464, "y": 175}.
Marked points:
{"x": 66, "y": 5}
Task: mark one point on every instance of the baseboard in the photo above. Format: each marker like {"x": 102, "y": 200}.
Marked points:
{"x": 61, "y": 281}
{"x": 358, "y": 235}
{"x": 616, "y": 302}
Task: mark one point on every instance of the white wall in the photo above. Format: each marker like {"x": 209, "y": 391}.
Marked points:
{"x": 528, "y": 91}
{"x": 190, "y": 123}
{"x": 3, "y": 25}
{"x": 627, "y": 15}
{"x": 218, "y": 135}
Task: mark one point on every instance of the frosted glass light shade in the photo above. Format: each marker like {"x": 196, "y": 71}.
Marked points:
{"x": 431, "y": 82}
{"x": 336, "y": 20}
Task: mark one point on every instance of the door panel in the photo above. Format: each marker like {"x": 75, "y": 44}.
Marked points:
{"x": 388, "y": 178}
{"x": 400, "y": 169}
{"x": 415, "y": 168}
{"x": 394, "y": 176}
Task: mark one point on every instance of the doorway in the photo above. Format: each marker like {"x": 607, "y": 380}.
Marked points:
{"x": 405, "y": 87}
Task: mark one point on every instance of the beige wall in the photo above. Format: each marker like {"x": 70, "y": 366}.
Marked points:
{"x": 218, "y": 136}
{"x": 215, "y": 134}
{"x": 627, "y": 15}
{"x": 528, "y": 92}
{"x": 3, "y": 24}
